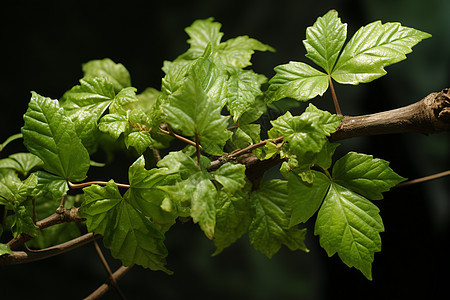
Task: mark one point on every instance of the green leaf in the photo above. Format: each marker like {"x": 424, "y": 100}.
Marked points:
{"x": 117, "y": 74}
{"x": 372, "y": 48}
{"x": 305, "y": 198}
{"x": 349, "y": 224}
{"x": 24, "y": 219}
{"x": 92, "y": 90}
{"x": 267, "y": 151}
{"x": 246, "y": 135}
{"x": 298, "y": 81}
{"x": 203, "y": 194}
{"x": 230, "y": 176}
{"x": 131, "y": 236}
{"x": 49, "y": 134}
{"x": 270, "y": 226}
{"x": 243, "y": 88}
{"x": 50, "y": 188}
{"x": 21, "y": 162}
{"x": 238, "y": 51}
{"x": 179, "y": 162}
{"x": 233, "y": 217}
{"x": 365, "y": 175}
{"x": 85, "y": 120}
{"x": 9, "y": 186}
{"x": 202, "y": 33}
{"x": 123, "y": 98}
{"x": 321, "y": 119}
{"x": 192, "y": 113}
{"x": 114, "y": 124}
{"x": 4, "y": 249}
{"x": 324, "y": 40}
{"x": 145, "y": 193}
{"x": 140, "y": 140}
{"x": 57, "y": 234}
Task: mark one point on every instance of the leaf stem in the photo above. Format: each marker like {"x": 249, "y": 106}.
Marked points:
{"x": 423, "y": 179}
{"x": 335, "y": 100}
{"x": 181, "y": 138}
{"x": 197, "y": 148}
{"x": 85, "y": 184}
{"x": 104, "y": 288}
{"x": 108, "y": 270}
{"x": 9, "y": 140}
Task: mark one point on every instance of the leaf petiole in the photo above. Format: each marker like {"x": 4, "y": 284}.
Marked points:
{"x": 86, "y": 184}
{"x": 335, "y": 100}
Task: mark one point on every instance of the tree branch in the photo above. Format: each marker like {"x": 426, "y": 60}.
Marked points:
{"x": 429, "y": 115}
{"x": 66, "y": 215}
{"x": 21, "y": 257}
{"x": 104, "y": 288}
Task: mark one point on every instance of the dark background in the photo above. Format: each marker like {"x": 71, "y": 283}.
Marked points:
{"x": 43, "y": 45}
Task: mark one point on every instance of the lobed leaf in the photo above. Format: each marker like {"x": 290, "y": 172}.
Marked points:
{"x": 49, "y": 134}
{"x": 192, "y": 113}
{"x": 372, "y": 48}
{"x": 233, "y": 217}
{"x": 324, "y": 40}
{"x": 117, "y": 74}
{"x": 298, "y": 81}
{"x": 23, "y": 163}
{"x": 230, "y": 176}
{"x": 243, "y": 88}
{"x": 365, "y": 175}
{"x": 349, "y": 224}
{"x": 306, "y": 198}
{"x": 130, "y": 236}
{"x": 269, "y": 228}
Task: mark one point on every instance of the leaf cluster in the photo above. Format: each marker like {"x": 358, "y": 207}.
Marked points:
{"x": 211, "y": 100}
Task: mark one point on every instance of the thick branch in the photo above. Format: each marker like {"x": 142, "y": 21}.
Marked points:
{"x": 430, "y": 115}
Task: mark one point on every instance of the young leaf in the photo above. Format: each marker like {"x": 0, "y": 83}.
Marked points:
{"x": 145, "y": 193}
{"x": 372, "y": 48}
{"x": 117, "y": 74}
{"x": 324, "y": 40}
{"x": 23, "y": 163}
{"x": 192, "y": 113}
{"x": 306, "y": 198}
{"x": 230, "y": 176}
{"x": 179, "y": 162}
{"x": 237, "y": 52}
{"x": 50, "y": 188}
{"x": 304, "y": 133}
{"x": 243, "y": 88}
{"x": 349, "y": 224}
{"x": 4, "y": 249}
{"x": 140, "y": 140}
{"x": 298, "y": 81}
{"x": 114, "y": 124}
{"x": 203, "y": 194}
{"x": 202, "y": 32}
{"x": 131, "y": 236}
{"x": 49, "y": 134}
{"x": 233, "y": 217}
{"x": 270, "y": 226}
{"x": 365, "y": 175}
{"x": 92, "y": 90}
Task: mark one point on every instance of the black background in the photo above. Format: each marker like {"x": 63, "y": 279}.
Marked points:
{"x": 43, "y": 45}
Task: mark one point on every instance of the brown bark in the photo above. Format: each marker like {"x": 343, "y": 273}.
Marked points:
{"x": 430, "y": 115}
